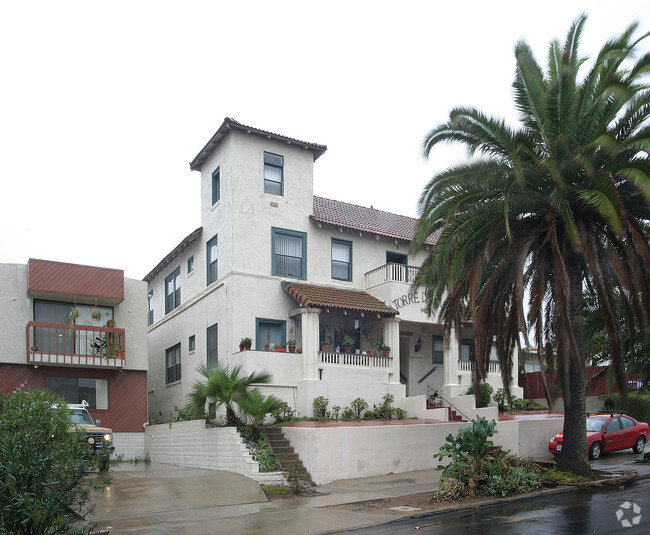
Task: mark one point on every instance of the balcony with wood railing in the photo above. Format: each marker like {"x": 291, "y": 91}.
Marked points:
{"x": 81, "y": 346}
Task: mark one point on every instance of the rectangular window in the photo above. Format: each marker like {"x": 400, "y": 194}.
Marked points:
{"x": 269, "y": 332}
{"x": 173, "y": 364}
{"x": 341, "y": 260}
{"x": 273, "y": 174}
{"x": 190, "y": 264}
{"x": 289, "y": 253}
{"x": 467, "y": 350}
{"x": 192, "y": 343}
{"x": 173, "y": 291}
{"x": 212, "y": 345}
{"x": 78, "y": 389}
{"x": 216, "y": 185}
{"x": 212, "y": 254}
{"x": 438, "y": 348}
{"x": 150, "y": 308}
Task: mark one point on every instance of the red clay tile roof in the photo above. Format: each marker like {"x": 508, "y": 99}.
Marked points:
{"x": 46, "y": 278}
{"x": 324, "y": 296}
{"x": 230, "y": 124}
{"x": 352, "y": 216}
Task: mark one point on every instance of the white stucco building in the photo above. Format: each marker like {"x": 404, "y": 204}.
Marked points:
{"x": 273, "y": 262}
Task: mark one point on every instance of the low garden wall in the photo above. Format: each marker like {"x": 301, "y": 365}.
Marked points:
{"x": 194, "y": 445}
{"x": 332, "y": 453}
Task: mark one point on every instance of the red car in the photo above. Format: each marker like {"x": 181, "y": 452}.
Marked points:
{"x": 609, "y": 432}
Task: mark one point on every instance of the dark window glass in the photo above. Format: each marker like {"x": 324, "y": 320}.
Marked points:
{"x": 192, "y": 343}
{"x": 216, "y": 185}
{"x": 79, "y": 389}
{"x": 438, "y": 348}
{"x": 212, "y": 254}
{"x": 341, "y": 260}
{"x": 173, "y": 364}
{"x": 273, "y": 174}
{"x": 150, "y": 308}
{"x": 289, "y": 252}
{"x": 270, "y": 332}
{"x": 212, "y": 345}
{"x": 190, "y": 264}
{"x": 173, "y": 291}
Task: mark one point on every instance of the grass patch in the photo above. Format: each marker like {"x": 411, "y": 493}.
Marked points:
{"x": 564, "y": 477}
{"x": 275, "y": 490}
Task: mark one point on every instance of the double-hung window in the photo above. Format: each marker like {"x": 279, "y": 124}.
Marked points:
{"x": 173, "y": 291}
{"x": 273, "y": 174}
{"x": 438, "y": 348}
{"x": 173, "y": 364}
{"x": 289, "y": 253}
{"x": 150, "y": 308}
{"x": 216, "y": 185}
{"x": 212, "y": 254}
{"x": 341, "y": 260}
{"x": 212, "y": 345}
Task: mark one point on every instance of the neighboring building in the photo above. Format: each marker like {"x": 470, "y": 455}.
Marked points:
{"x": 105, "y": 366}
{"x": 273, "y": 262}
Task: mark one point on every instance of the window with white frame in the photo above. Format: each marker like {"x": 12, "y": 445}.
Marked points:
{"x": 273, "y": 174}
{"x": 78, "y": 389}
{"x": 150, "y": 308}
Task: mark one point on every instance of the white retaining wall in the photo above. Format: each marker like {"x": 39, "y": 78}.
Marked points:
{"x": 336, "y": 453}
{"x": 129, "y": 445}
{"x": 192, "y": 444}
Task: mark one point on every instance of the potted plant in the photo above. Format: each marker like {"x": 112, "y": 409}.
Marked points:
{"x": 245, "y": 343}
{"x": 323, "y": 347}
{"x": 348, "y": 342}
{"x": 381, "y": 347}
{"x": 299, "y": 350}
{"x": 74, "y": 314}
{"x": 281, "y": 348}
{"x": 96, "y": 314}
{"x": 291, "y": 344}
{"x": 110, "y": 324}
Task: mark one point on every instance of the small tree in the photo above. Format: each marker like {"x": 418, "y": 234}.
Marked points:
{"x": 257, "y": 406}
{"x": 43, "y": 466}
{"x": 358, "y": 406}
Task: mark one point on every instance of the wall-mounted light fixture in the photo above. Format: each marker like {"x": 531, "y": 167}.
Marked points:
{"x": 418, "y": 345}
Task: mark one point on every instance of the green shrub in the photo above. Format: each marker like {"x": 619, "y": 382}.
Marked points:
{"x": 399, "y": 414}
{"x": 485, "y": 395}
{"x": 638, "y": 407}
{"x": 336, "y": 409}
{"x": 508, "y": 480}
{"x": 563, "y": 477}
{"x": 44, "y": 466}
{"x": 320, "y": 406}
{"x": 358, "y": 406}
{"x": 370, "y": 415}
{"x": 264, "y": 456}
{"x": 284, "y": 413}
{"x": 348, "y": 414}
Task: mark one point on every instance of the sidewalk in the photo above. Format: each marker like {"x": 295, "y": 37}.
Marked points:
{"x": 200, "y": 502}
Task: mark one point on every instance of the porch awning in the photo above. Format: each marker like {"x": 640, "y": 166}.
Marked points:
{"x": 324, "y": 296}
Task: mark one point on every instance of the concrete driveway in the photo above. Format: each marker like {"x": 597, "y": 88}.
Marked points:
{"x": 147, "y": 494}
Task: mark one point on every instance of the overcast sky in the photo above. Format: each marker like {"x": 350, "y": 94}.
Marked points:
{"x": 103, "y": 104}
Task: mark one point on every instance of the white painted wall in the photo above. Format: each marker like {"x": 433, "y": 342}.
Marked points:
{"x": 15, "y": 312}
{"x": 192, "y": 444}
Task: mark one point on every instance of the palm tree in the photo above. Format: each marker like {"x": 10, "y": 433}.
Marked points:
{"x": 223, "y": 386}
{"x": 257, "y": 406}
{"x": 546, "y": 208}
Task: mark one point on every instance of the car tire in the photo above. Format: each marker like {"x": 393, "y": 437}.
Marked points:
{"x": 639, "y": 446}
{"x": 595, "y": 451}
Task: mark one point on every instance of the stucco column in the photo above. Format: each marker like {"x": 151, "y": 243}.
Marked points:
{"x": 450, "y": 358}
{"x": 391, "y": 339}
{"x": 310, "y": 339}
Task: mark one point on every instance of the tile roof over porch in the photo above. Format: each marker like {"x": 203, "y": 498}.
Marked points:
{"x": 325, "y": 296}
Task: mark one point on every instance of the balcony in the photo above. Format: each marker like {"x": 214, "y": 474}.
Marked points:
{"x": 468, "y": 366}
{"x": 391, "y": 273}
{"x": 55, "y": 344}
{"x": 353, "y": 359}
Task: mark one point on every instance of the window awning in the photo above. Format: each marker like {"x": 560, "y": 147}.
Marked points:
{"x": 310, "y": 295}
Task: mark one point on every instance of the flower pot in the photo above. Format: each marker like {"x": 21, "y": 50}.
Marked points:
{"x": 241, "y": 347}
{"x": 266, "y": 347}
{"x": 119, "y": 353}
{"x": 280, "y": 349}
{"x": 110, "y": 324}
{"x": 324, "y": 347}
{"x": 299, "y": 350}
{"x": 248, "y": 345}
{"x": 347, "y": 349}
{"x": 292, "y": 349}
{"x": 371, "y": 352}
{"x": 386, "y": 353}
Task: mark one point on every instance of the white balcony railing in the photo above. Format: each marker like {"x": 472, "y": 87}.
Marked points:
{"x": 465, "y": 366}
{"x": 391, "y": 273}
{"x": 352, "y": 359}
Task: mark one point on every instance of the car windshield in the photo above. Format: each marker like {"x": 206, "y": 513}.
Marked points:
{"x": 79, "y": 416}
{"x": 595, "y": 424}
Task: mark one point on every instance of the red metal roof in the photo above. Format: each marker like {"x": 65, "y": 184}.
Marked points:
{"x": 352, "y": 216}
{"x": 324, "y": 296}
{"x": 230, "y": 124}
{"x": 46, "y": 278}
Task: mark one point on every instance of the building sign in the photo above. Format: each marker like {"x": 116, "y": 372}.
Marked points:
{"x": 412, "y": 298}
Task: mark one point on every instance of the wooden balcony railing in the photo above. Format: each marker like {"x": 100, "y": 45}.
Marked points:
{"x": 468, "y": 366}
{"x": 86, "y": 345}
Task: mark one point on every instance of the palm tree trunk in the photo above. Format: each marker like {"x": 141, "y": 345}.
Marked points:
{"x": 574, "y": 444}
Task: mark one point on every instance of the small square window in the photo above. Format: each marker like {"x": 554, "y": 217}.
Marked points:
{"x": 190, "y": 264}
{"x": 192, "y": 343}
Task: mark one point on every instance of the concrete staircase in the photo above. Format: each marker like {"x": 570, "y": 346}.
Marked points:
{"x": 287, "y": 458}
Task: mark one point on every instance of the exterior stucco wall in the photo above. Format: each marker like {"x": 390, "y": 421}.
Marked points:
{"x": 15, "y": 312}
